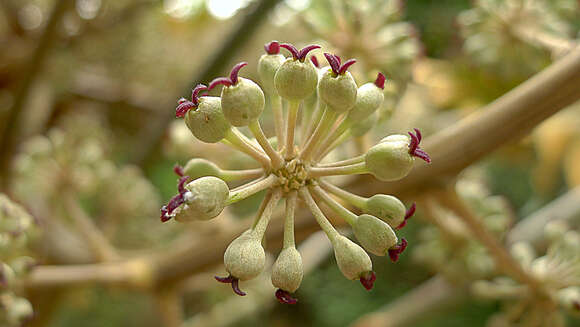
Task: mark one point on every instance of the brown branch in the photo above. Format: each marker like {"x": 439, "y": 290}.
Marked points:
{"x": 505, "y": 120}
{"x": 12, "y": 125}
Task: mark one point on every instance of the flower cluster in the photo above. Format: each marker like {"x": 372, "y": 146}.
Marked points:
{"x": 512, "y": 35}
{"x": 17, "y": 228}
{"x": 558, "y": 273}
{"x": 334, "y": 109}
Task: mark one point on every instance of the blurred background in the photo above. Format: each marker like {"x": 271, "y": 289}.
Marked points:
{"x": 89, "y": 139}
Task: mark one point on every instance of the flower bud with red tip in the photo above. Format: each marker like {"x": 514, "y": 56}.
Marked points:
{"x": 393, "y": 157}
{"x": 242, "y": 100}
{"x": 268, "y": 65}
{"x": 287, "y": 274}
{"x": 352, "y": 260}
{"x": 296, "y": 79}
{"x": 336, "y": 87}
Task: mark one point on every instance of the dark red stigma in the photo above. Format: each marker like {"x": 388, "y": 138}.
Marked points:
{"x": 285, "y": 297}
{"x": 410, "y": 212}
{"x": 228, "y": 81}
{"x": 299, "y": 55}
{"x": 380, "y": 81}
{"x": 178, "y": 199}
{"x": 184, "y": 105}
{"x": 231, "y": 280}
{"x": 396, "y": 250}
{"x": 335, "y": 63}
{"x": 414, "y": 148}
{"x": 272, "y": 48}
{"x": 368, "y": 280}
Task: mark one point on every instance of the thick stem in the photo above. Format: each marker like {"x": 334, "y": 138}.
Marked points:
{"x": 326, "y": 122}
{"x": 276, "y": 105}
{"x": 356, "y": 200}
{"x": 557, "y": 45}
{"x": 249, "y": 189}
{"x": 246, "y": 147}
{"x": 275, "y": 157}
{"x": 354, "y": 169}
{"x": 324, "y": 224}
{"x": 343, "y": 212}
{"x": 266, "y": 215}
{"x": 290, "y": 129}
{"x": 291, "y": 200}
{"x": 168, "y": 300}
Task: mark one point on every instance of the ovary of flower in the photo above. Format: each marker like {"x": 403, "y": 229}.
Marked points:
{"x": 290, "y": 171}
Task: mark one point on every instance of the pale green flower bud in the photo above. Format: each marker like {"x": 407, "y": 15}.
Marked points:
{"x": 524, "y": 253}
{"x": 198, "y": 167}
{"x": 207, "y": 121}
{"x": 205, "y": 199}
{"x": 390, "y": 159}
{"x": 352, "y": 260}
{"x": 369, "y": 98}
{"x": 242, "y": 102}
{"x": 338, "y": 92}
{"x": 267, "y": 67}
{"x": 18, "y": 310}
{"x": 374, "y": 234}
{"x": 287, "y": 272}
{"x": 387, "y": 208}
{"x": 245, "y": 257}
{"x": 296, "y": 80}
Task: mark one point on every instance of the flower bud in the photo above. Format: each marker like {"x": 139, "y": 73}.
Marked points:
{"x": 374, "y": 234}
{"x": 386, "y": 207}
{"x": 7, "y": 276}
{"x": 296, "y": 80}
{"x": 207, "y": 122}
{"x": 18, "y": 310}
{"x": 361, "y": 127}
{"x": 242, "y": 102}
{"x": 390, "y": 159}
{"x": 338, "y": 92}
{"x": 287, "y": 271}
{"x": 569, "y": 299}
{"x": 198, "y": 167}
{"x": 369, "y": 98}
{"x": 205, "y": 199}
{"x": 524, "y": 253}
{"x": 352, "y": 260}
{"x": 245, "y": 257}
{"x": 267, "y": 67}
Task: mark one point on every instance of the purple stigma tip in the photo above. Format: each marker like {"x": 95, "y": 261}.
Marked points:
{"x": 315, "y": 62}
{"x": 285, "y": 297}
{"x": 396, "y": 250}
{"x": 183, "y": 107}
{"x": 346, "y": 65}
{"x": 410, "y": 212}
{"x": 414, "y": 148}
{"x": 231, "y": 280}
{"x": 235, "y": 71}
{"x": 178, "y": 170}
{"x": 333, "y": 61}
{"x": 380, "y": 81}
{"x": 299, "y": 55}
{"x": 272, "y": 48}
{"x": 368, "y": 280}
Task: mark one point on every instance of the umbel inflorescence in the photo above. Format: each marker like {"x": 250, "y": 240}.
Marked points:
{"x": 334, "y": 109}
